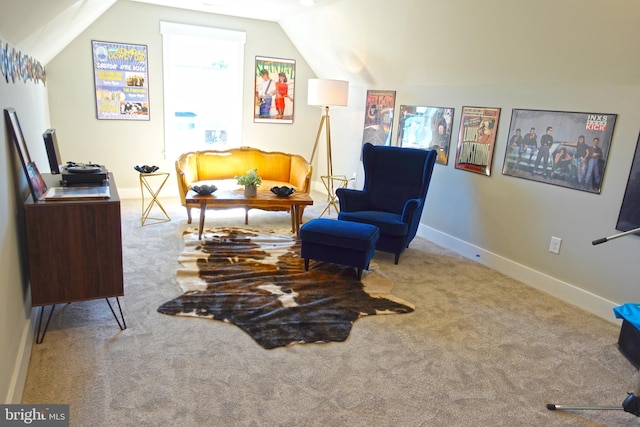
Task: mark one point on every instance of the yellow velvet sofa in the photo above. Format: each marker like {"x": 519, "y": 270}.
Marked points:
{"x": 220, "y": 167}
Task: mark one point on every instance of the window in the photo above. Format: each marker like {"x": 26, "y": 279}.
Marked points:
{"x": 203, "y": 79}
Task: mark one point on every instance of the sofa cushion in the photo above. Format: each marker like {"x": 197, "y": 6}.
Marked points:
{"x": 232, "y": 184}
{"x": 271, "y": 166}
{"x": 219, "y": 168}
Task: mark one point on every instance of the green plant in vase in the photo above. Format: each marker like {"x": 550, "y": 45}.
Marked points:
{"x": 251, "y": 181}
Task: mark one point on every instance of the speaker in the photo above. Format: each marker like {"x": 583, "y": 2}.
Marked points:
{"x": 53, "y": 153}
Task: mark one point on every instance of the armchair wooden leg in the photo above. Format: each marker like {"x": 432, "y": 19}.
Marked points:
{"x": 397, "y": 258}
{"x": 188, "y": 215}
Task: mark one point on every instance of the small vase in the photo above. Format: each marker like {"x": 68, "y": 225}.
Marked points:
{"x": 250, "y": 191}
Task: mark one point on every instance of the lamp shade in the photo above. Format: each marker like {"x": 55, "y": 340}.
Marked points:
{"x": 325, "y": 92}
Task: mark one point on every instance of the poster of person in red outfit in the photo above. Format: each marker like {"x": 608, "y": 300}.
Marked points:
{"x": 274, "y": 90}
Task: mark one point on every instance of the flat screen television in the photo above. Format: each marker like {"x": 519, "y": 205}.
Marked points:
{"x": 53, "y": 152}
{"x": 629, "y": 217}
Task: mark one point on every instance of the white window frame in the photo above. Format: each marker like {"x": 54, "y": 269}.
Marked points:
{"x": 234, "y": 106}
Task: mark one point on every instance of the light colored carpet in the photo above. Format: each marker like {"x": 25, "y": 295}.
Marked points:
{"x": 480, "y": 349}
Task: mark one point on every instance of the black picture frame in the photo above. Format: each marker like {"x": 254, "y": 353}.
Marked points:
{"x": 560, "y": 161}
{"x": 37, "y": 185}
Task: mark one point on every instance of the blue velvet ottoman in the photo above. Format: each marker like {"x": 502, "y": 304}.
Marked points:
{"x": 339, "y": 242}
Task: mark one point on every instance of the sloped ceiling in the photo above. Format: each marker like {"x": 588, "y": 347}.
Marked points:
{"x": 42, "y": 29}
{"x": 404, "y": 43}
{"x": 45, "y": 27}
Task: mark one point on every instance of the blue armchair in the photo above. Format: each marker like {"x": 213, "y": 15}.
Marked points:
{"x": 396, "y": 181}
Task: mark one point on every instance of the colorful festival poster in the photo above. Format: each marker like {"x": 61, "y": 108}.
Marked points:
{"x": 476, "y": 139}
{"x": 121, "y": 81}
{"x": 378, "y": 118}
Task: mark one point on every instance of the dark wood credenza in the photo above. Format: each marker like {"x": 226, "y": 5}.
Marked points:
{"x": 74, "y": 250}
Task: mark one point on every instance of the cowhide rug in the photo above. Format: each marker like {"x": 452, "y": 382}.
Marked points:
{"x": 257, "y": 281}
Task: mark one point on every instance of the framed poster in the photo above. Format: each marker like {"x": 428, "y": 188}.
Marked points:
{"x": 34, "y": 179}
{"x": 274, "y": 83}
{"x": 121, "y": 81}
{"x": 36, "y": 182}
{"x": 428, "y": 128}
{"x": 378, "y": 117}
{"x": 560, "y": 148}
{"x": 476, "y": 139}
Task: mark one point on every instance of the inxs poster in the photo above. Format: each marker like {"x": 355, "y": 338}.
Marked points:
{"x": 121, "y": 81}
{"x": 478, "y": 126}
{"x": 559, "y": 147}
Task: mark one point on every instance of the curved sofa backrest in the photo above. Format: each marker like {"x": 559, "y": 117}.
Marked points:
{"x": 225, "y": 164}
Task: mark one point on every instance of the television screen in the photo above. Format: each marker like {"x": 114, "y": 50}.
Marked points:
{"x": 629, "y": 217}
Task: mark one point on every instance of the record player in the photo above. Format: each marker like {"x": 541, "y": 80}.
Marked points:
{"x": 83, "y": 173}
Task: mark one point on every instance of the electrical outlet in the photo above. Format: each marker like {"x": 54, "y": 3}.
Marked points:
{"x": 554, "y": 246}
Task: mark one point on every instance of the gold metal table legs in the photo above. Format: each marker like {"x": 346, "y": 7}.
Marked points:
{"x": 331, "y": 183}
{"x": 152, "y": 183}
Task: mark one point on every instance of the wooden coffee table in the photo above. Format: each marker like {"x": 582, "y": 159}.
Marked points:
{"x": 263, "y": 200}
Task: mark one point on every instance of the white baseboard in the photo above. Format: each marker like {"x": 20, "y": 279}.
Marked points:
{"x": 562, "y": 290}
{"x": 555, "y": 287}
{"x": 135, "y": 192}
{"x": 19, "y": 377}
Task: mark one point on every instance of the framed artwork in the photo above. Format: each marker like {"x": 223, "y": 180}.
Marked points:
{"x": 378, "y": 118}
{"x": 121, "y": 81}
{"x": 629, "y": 217}
{"x": 476, "y": 139}
{"x": 274, "y": 82}
{"x": 560, "y": 148}
{"x": 34, "y": 178}
{"x": 427, "y": 128}
{"x": 36, "y": 183}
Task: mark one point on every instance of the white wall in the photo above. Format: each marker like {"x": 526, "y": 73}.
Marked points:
{"x": 120, "y": 144}
{"x": 568, "y": 55}
{"x": 431, "y": 53}
{"x": 470, "y": 42}
{"x": 30, "y": 101}
{"x": 549, "y": 55}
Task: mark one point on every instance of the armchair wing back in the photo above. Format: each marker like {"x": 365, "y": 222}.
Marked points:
{"x": 394, "y": 193}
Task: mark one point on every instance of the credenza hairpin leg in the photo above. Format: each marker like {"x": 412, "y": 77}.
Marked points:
{"x": 39, "y": 338}
{"x": 122, "y": 325}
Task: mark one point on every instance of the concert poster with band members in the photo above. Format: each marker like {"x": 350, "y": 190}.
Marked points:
{"x": 476, "y": 139}
{"x": 121, "y": 81}
{"x": 567, "y": 149}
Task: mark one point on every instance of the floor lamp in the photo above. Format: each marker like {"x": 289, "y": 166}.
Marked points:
{"x": 325, "y": 93}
